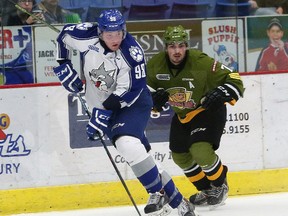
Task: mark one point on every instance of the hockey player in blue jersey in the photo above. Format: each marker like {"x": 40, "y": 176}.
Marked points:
{"x": 116, "y": 92}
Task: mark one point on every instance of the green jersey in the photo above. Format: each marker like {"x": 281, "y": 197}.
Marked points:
{"x": 190, "y": 82}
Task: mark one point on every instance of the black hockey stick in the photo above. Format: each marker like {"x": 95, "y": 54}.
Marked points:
{"x": 87, "y": 112}
{"x": 110, "y": 156}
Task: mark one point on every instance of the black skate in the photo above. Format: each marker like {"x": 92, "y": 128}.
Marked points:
{"x": 199, "y": 199}
{"x": 217, "y": 195}
{"x": 157, "y": 205}
{"x": 186, "y": 208}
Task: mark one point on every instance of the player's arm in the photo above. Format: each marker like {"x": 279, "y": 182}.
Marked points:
{"x": 65, "y": 72}
{"x": 75, "y": 37}
{"x": 130, "y": 84}
{"x": 160, "y": 97}
{"x": 229, "y": 87}
{"x": 131, "y": 80}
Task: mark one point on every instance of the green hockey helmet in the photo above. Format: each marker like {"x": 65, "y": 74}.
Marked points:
{"x": 174, "y": 34}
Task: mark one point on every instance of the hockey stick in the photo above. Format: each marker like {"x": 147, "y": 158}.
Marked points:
{"x": 34, "y": 16}
{"x": 110, "y": 156}
{"x": 86, "y": 111}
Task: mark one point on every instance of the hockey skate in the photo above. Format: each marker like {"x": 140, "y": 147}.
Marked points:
{"x": 199, "y": 199}
{"x": 213, "y": 197}
{"x": 157, "y": 205}
{"x": 217, "y": 195}
{"x": 186, "y": 208}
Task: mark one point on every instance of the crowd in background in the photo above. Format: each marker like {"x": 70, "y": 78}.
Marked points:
{"x": 48, "y": 10}
{"x": 56, "y": 11}
{"x": 29, "y": 12}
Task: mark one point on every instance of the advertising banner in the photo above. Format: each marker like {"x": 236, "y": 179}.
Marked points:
{"x": 45, "y": 54}
{"x": 223, "y": 40}
{"x": 45, "y": 142}
{"x": 16, "y": 59}
{"x": 267, "y": 47}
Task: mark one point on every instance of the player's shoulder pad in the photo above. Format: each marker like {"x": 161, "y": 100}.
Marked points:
{"x": 132, "y": 51}
{"x": 198, "y": 54}
{"x": 156, "y": 59}
{"x": 82, "y": 30}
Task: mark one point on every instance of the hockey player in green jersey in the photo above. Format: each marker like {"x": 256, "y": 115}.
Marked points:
{"x": 197, "y": 88}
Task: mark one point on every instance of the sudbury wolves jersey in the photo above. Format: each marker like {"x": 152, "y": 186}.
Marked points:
{"x": 122, "y": 73}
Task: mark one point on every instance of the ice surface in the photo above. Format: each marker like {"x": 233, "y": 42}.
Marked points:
{"x": 253, "y": 205}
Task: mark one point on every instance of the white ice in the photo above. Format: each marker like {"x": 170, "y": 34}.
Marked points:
{"x": 253, "y": 205}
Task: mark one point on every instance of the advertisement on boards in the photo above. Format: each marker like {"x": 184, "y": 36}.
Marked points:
{"x": 13, "y": 147}
{"x": 223, "y": 40}
{"x": 45, "y": 54}
{"x": 267, "y": 43}
{"x": 16, "y": 65}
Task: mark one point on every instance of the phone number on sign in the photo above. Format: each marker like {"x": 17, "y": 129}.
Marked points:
{"x": 237, "y": 129}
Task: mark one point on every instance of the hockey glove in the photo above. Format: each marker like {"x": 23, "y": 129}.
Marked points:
{"x": 216, "y": 98}
{"x": 98, "y": 124}
{"x": 69, "y": 77}
{"x": 160, "y": 97}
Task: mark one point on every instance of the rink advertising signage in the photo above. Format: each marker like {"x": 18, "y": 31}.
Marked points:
{"x": 78, "y": 119}
{"x": 16, "y": 42}
{"x": 224, "y": 41}
{"x": 11, "y": 146}
{"x": 150, "y": 34}
{"x": 45, "y": 54}
{"x": 157, "y": 129}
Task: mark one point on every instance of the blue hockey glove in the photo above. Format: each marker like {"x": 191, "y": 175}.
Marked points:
{"x": 216, "y": 98}
{"x": 98, "y": 124}
{"x": 160, "y": 97}
{"x": 69, "y": 77}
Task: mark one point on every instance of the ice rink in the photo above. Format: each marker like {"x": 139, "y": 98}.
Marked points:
{"x": 253, "y": 205}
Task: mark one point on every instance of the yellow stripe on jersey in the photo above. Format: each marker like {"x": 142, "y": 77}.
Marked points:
{"x": 235, "y": 76}
{"x": 190, "y": 115}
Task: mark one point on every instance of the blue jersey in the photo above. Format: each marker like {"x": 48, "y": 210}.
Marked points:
{"x": 112, "y": 77}
{"x": 122, "y": 73}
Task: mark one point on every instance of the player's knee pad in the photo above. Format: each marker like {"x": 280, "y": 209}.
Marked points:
{"x": 131, "y": 149}
{"x": 203, "y": 153}
{"x": 183, "y": 160}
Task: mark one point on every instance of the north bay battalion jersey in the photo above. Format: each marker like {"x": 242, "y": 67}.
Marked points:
{"x": 188, "y": 85}
{"x": 121, "y": 73}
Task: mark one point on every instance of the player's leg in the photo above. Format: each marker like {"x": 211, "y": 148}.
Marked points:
{"x": 217, "y": 192}
{"x": 128, "y": 136}
{"x": 176, "y": 199}
{"x": 182, "y": 140}
{"x": 145, "y": 169}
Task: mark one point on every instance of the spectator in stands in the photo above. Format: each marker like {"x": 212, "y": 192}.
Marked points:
{"x": 1, "y": 10}
{"x": 54, "y": 13}
{"x": 18, "y": 17}
{"x": 274, "y": 56}
{"x": 269, "y": 7}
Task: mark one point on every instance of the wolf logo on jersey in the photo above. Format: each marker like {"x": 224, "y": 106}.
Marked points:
{"x": 102, "y": 79}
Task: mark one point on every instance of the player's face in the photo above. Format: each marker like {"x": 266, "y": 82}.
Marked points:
{"x": 176, "y": 52}
{"x": 112, "y": 39}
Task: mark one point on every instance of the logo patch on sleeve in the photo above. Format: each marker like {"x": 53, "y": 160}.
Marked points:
{"x": 136, "y": 53}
